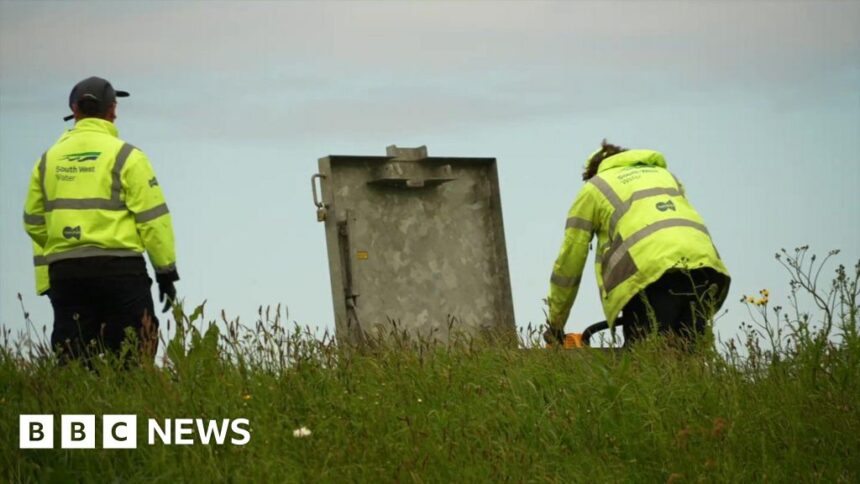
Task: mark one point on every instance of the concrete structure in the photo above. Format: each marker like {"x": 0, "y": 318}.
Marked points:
{"x": 415, "y": 242}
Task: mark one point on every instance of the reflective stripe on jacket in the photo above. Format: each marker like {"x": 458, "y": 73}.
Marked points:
{"x": 644, "y": 226}
{"x": 91, "y": 194}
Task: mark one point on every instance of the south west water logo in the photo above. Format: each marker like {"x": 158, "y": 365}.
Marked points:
{"x": 85, "y": 156}
{"x": 69, "y": 232}
{"x": 663, "y": 206}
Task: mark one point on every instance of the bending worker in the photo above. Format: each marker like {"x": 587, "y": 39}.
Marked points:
{"x": 656, "y": 263}
{"x": 93, "y": 207}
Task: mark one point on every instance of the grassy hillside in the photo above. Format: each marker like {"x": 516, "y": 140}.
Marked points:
{"x": 758, "y": 410}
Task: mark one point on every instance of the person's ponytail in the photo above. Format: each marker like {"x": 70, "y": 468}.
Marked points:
{"x": 606, "y": 150}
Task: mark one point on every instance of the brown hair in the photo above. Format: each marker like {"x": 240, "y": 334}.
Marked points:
{"x": 606, "y": 150}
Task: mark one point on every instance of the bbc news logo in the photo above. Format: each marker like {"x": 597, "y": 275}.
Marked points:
{"x": 120, "y": 431}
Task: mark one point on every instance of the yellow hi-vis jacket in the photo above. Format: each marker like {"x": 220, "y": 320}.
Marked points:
{"x": 91, "y": 194}
{"x": 644, "y": 225}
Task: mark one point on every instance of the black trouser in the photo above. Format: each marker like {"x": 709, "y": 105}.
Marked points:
{"x": 92, "y": 312}
{"x": 679, "y": 304}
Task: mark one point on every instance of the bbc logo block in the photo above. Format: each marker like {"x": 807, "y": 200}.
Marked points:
{"x": 78, "y": 432}
{"x": 119, "y": 432}
{"x": 36, "y": 431}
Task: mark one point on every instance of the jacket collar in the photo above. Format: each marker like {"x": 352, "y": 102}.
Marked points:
{"x": 97, "y": 125}
{"x": 633, "y": 157}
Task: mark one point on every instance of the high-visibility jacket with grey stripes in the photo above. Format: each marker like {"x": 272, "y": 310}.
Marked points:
{"x": 644, "y": 226}
{"x": 91, "y": 194}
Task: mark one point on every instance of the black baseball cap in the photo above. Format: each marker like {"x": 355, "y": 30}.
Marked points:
{"x": 94, "y": 88}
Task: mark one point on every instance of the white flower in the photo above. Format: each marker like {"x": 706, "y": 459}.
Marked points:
{"x": 301, "y": 432}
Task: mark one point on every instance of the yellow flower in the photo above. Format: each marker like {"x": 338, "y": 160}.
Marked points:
{"x": 246, "y": 396}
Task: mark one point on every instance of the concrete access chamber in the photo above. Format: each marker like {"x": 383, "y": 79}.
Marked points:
{"x": 416, "y": 246}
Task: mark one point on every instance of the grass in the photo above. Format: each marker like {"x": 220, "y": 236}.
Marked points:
{"x": 473, "y": 411}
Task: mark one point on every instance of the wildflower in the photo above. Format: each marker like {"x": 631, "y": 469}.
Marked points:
{"x": 419, "y": 400}
{"x": 301, "y": 432}
{"x": 246, "y": 397}
{"x": 765, "y": 293}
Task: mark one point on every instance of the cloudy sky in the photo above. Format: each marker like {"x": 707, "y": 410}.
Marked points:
{"x": 756, "y": 106}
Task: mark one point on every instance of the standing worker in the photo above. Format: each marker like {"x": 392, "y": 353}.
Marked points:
{"x": 656, "y": 263}
{"x": 93, "y": 207}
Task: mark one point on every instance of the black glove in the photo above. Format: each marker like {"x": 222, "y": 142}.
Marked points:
{"x": 166, "y": 294}
{"x": 554, "y": 336}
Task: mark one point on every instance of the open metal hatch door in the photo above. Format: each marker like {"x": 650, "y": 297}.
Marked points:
{"x": 414, "y": 241}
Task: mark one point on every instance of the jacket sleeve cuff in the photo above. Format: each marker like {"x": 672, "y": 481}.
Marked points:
{"x": 165, "y": 276}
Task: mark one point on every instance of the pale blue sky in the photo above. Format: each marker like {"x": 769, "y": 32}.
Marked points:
{"x": 756, "y": 106}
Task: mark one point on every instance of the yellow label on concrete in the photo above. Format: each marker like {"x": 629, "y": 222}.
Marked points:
{"x": 362, "y": 255}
